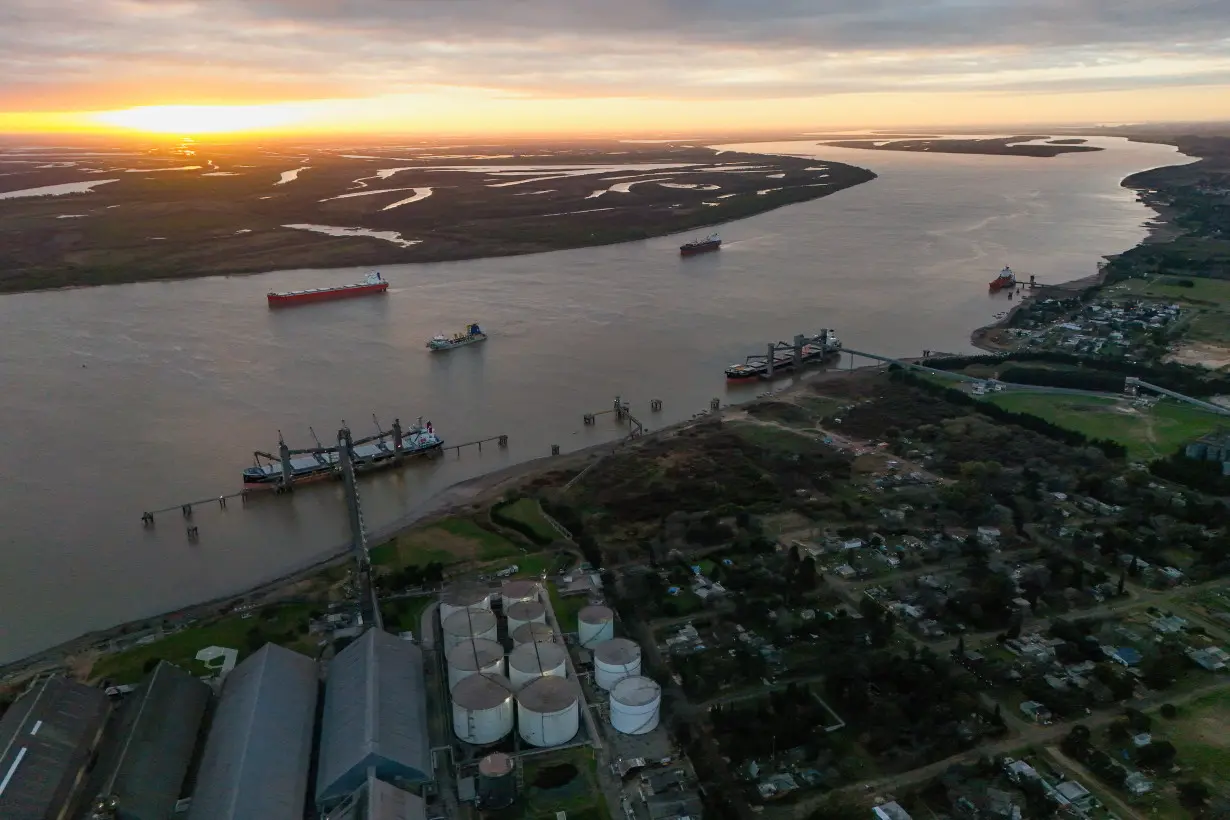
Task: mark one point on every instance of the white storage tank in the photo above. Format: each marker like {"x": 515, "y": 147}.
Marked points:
{"x": 483, "y": 709}
{"x": 595, "y": 624}
{"x": 535, "y": 660}
{"x": 549, "y": 711}
{"x": 474, "y": 655}
{"x": 636, "y": 704}
{"x": 528, "y": 633}
{"x": 525, "y": 612}
{"x": 466, "y": 624}
{"x": 615, "y": 660}
{"x": 519, "y": 590}
{"x": 461, "y": 598}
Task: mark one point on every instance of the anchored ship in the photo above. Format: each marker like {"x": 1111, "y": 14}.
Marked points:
{"x": 383, "y": 450}
{"x": 817, "y": 349}
{"x": 472, "y": 334}
{"x": 710, "y": 243}
{"x": 1006, "y": 279}
{"x": 372, "y": 283}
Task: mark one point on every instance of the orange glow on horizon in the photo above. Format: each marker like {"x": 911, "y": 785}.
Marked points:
{"x": 190, "y": 120}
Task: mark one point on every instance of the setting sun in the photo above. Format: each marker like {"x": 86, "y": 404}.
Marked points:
{"x": 199, "y": 119}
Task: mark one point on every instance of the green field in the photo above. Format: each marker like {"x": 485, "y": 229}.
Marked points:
{"x": 566, "y": 609}
{"x": 448, "y": 542}
{"x": 527, "y": 512}
{"x": 404, "y": 614}
{"x": 1208, "y": 301}
{"x": 285, "y": 625}
{"x": 1147, "y": 433}
{"x": 775, "y": 438}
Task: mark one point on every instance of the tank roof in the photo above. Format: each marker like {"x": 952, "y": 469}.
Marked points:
{"x": 482, "y": 691}
{"x": 548, "y": 694}
{"x": 465, "y": 596}
{"x": 533, "y": 631}
{"x": 537, "y": 656}
{"x": 474, "y": 654}
{"x": 524, "y": 610}
{"x": 496, "y": 764}
{"x": 636, "y": 691}
{"x": 520, "y": 588}
{"x": 469, "y": 622}
{"x": 596, "y": 614}
{"x": 617, "y": 652}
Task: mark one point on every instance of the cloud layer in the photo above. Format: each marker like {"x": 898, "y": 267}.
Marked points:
{"x": 69, "y": 55}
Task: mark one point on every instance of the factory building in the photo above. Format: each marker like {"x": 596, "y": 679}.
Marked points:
{"x": 375, "y": 718}
{"x": 46, "y": 741}
{"x": 377, "y": 800}
{"x": 256, "y": 759}
{"x": 143, "y": 762}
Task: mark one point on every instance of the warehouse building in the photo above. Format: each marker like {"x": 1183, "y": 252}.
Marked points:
{"x": 256, "y": 760}
{"x": 375, "y": 718}
{"x": 377, "y": 800}
{"x": 142, "y": 765}
{"x": 47, "y": 739}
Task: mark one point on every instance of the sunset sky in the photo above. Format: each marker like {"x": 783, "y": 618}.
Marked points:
{"x": 590, "y": 66}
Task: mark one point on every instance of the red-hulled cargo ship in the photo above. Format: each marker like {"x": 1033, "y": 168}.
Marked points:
{"x": 1006, "y": 279}
{"x": 372, "y": 283}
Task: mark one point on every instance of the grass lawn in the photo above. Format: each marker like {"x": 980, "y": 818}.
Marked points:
{"x": 566, "y": 609}
{"x": 1201, "y": 733}
{"x": 527, "y": 511}
{"x": 449, "y": 541}
{"x": 403, "y": 614}
{"x": 775, "y": 438}
{"x": 579, "y": 798}
{"x": 1208, "y": 301}
{"x": 285, "y": 625}
{"x": 1147, "y": 434}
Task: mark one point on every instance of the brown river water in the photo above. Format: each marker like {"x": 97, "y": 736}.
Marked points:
{"x": 121, "y": 399}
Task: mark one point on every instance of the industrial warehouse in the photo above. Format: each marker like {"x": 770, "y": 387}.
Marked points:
{"x": 391, "y": 727}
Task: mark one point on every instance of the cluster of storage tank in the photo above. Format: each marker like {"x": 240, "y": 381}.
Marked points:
{"x": 532, "y": 683}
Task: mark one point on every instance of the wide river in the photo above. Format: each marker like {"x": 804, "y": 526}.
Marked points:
{"x": 117, "y": 400}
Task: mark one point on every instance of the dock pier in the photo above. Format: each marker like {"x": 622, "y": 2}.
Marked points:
{"x": 500, "y": 440}
{"x": 623, "y": 412}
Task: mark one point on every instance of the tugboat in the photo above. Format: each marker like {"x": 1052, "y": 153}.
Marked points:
{"x": 1006, "y": 279}
{"x": 710, "y": 243}
{"x": 472, "y": 334}
{"x": 372, "y": 283}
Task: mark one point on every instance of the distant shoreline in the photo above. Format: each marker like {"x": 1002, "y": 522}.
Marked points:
{"x": 1015, "y": 146}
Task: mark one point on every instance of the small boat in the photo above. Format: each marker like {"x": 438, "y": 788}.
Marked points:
{"x": 372, "y": 283}
{"x": 472, "y": 334}
{"x": 710, "y": 243}
{"x": 1006, "y": 279}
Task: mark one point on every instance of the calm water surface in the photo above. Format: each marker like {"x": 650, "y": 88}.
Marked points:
{"x": 120, "y": 399}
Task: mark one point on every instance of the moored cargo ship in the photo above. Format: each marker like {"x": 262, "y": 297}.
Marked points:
{"x": 421, "y": 439}
{"x": 372, "y": 283}
{"x": 710, "y": 243}
{"x": 1006, "y": 279}
{"x": 472, "y": 334}
{"x": 816, "y": 350}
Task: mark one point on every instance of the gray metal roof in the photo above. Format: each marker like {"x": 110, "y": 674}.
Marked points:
{"x": 145, "y": 761}
{"x": 255, "y": 765}
{"x": 46, "y": 739}
{"x": 380, "y": 801}
{"x": 375, "y": 716}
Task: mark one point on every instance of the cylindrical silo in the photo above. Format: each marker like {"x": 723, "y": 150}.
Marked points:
{"x": 483, "y": 709}
{"x": 595, "y": 624}
{"x": 525, "y": 612}
{"x": 615, "y": 660}
{"x": 468, "y": 623}
{"x": 549, "y": 711}
{"x": 497, "y": 787}
{"x": 636, "y": 704}
{"x": 460, "y": 598}
{"x": 519, "y": 590}
{"x": 534, "y": 660}
{"x": 528, "y": 633}
{"x": 474, "y": 655}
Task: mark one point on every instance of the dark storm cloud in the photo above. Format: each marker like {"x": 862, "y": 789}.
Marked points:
{"x": 56, "y": 51}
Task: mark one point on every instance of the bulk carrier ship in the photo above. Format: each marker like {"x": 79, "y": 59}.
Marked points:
{"x": 420, "y": 439}
{"x": 816, "y": 350}
{"x": 372, "y": 283}
{"x": 710, "y": 243}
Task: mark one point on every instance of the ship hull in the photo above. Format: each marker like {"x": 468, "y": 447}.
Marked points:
{"x": 326, "y": 471}
{"x": 460, "y": 343}
{"x": 704, "y": 247}
{"x": 781, "y": 366}
{"x": 326, "y": 295}
{"x": 1001, "y": 284}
